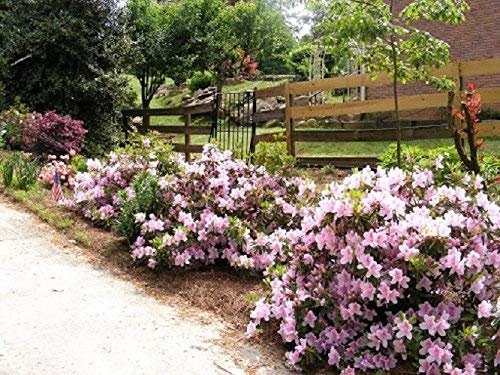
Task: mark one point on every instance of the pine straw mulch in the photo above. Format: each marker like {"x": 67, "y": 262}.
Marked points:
{"x": 225, "y": 294}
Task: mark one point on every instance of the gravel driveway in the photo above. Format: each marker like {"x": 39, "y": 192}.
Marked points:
{"x": 60, "y": 315}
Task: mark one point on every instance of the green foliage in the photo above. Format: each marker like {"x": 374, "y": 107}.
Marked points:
{"x": 11, "y": 121}
{"x": 71, "y": 63}
{"x": 201, "y": 80}
{"x": 145, "y": 200}
{"x": 260, "y": 30}
{"x": 79, "y": 163}
{"x": 145, "y": 146}
{"x": 19, "y": 170}
{"x": 367, "y": 31}
{"x": 212, "y": 35}
{"x": 300, "y": 60}
{"x": 7, "y": 165}
{"x": 26, "y": 172}
{"x": 274, "y": 157}
{"x": 148, "y": 27}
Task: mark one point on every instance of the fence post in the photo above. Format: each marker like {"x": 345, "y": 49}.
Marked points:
{"x": 290, "y": 145}
{"x": 254, "y": 124}
{"x": 187, "y": 136}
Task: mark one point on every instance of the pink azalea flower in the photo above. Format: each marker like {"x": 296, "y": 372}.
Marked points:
{"x": 404, "y": 329}
{"x": 484, "y": 309}
{"x": 309, "y": 319}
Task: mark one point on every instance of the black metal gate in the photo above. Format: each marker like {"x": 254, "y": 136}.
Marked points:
{"x": 233, "y": 126}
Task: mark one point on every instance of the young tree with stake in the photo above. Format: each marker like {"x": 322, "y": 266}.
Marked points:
{"x": 374, "y": 33}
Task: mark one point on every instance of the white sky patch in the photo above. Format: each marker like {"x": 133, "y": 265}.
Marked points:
{"x": 297, "y": 17}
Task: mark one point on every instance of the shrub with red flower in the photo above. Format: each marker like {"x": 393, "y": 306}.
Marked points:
{"x": 469, "y": 113}
{"x": 53, "y": 134}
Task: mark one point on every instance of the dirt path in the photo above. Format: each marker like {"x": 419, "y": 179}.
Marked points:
{"x": 61, "y": 315}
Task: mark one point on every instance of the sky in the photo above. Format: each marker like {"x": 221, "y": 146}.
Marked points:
{"x": 294, "y": 17}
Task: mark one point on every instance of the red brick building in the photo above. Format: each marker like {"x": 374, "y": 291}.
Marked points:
{"x": 477, "y": 38}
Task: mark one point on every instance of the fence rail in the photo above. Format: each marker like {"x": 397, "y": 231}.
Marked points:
{"x": 457, "y": 71}
{"x": 350, "y": 131}
{"x": 186, "y": 129}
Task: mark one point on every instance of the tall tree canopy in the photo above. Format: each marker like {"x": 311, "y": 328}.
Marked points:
{"x": 176, "y": 39}
{"x": 148, "y": 27}
{"x": 67, "y": 55}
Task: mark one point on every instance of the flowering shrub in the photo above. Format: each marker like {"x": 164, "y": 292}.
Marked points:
{"x": 387, "y": 267}
{"x": 96, "y": 191}
{"x": 60, "y": 165}
{"x": 383, "y": 267}
{"x": 213, "y": 208}
{"x": 11, "y": 123}
{"x": 53, "y": 134}
{"x": 444, "y": 162}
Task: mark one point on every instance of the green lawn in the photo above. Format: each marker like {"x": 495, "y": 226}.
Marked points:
{"x": 492, "y": 145}
{"x": 175, "y": 100}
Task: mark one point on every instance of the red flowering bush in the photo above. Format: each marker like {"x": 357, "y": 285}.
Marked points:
{"x": 388, "y": 267}
{"x": 53, "y": 134}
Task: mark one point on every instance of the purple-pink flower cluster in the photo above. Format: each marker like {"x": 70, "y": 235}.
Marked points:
{"x": 383, "y": 267}
{"x": 220, "y": 208}
{"x": 387, "y": 267}
{"x": 97, "y": 192}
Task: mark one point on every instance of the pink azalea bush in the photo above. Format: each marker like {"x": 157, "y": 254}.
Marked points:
{"x": 213, "y": 208}
{"x": 383, "y": 267}
{"x": 97, "y": 191}
{"x": 62, "y": 167}
{"x": 53, "y": 134}
{"x": 219, "y": 208}
{"x": 387, "y": 267}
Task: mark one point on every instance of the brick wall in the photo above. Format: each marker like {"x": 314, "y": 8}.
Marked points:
{"x": 477, "y": 38}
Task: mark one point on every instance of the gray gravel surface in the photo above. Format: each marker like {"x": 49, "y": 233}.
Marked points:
{"x": 61, "y": 315}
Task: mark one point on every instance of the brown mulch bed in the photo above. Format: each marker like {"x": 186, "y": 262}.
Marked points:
{"x": 217, "y": 289}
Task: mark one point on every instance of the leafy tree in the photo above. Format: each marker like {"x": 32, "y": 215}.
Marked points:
{"x": 148, "y": 27}
{"x": 217, "y": 36}
{"x": 375, "y": 34}
{"x": 260, "y": 30}
{"x": 198, "y": 35}
{"x": 67, "y": 55}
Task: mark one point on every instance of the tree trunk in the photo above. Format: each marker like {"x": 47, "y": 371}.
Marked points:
{"x": 395, "y": 89}
{"x": 396, "y": 104}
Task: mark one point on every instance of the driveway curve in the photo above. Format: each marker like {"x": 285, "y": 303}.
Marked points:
{"x": 61, "y": 315}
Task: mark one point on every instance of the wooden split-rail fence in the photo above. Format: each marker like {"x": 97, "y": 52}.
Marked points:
{"x": 460, "y": 72}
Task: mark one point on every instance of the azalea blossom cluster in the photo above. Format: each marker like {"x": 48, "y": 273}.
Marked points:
{"x": 390, "y": 266}
{"x": 62, "y": 167}
{"x": 383, "y": 267}
{"x": 220, "y": 208}
{"x": 97, "y": 191}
